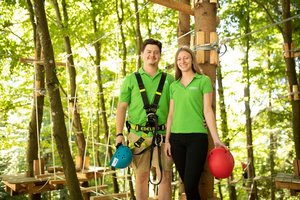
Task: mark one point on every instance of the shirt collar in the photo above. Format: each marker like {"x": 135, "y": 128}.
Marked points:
{"x": 142, "y": 71}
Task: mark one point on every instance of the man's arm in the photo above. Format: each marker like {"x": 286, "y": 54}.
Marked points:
{"x": 120, "y": 120}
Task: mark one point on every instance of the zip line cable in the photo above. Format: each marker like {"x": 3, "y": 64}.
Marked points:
{"x": 118, "y": 26}
{"x": 214, "y": 45}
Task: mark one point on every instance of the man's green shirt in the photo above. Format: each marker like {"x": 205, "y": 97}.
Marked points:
{"x": 188, "y": 104}
{"x": 130, "y": 93}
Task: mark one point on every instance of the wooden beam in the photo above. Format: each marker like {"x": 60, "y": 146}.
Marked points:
{"x": 111, "y": 196}
{"x": 40, "y": 62}
{"x": 93, "y": 188}
{"x": 288, "y": 181}
{"x": 179, "y": 6}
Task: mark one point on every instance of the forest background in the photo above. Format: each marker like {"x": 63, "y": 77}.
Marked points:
{"x": 247, "y": 29}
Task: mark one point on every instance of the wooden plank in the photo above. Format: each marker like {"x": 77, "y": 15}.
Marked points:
{"x": 214, "y": 56}
{"x": 39, "y": 189}
{"x": 179, "y": 6}
{"x": 57, "y": 182}
{"x": 111, "y": 196}
{"x": 287, "y": 181}
{"x": 200, "y": 54}
{"x": 40, "y": 62}
{"x": 93, "y": 188}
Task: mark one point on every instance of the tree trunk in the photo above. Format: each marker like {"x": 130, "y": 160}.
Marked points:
{"x": 291, "y": 72}
{"x": 59, "y": 127}
{"x": 120, "y": 21}
{"x": 224, "y": 128}
{"x": 271, "y": 122}
{"x": 205, "y": 21}
{"x": 183, "y": 27}
{"x": 246, "y": 78}
{"x": 38, "y": 104}
{"x": 138, "y": 35}
{"x": 76, "y": 125}
{"x": 101, "y": 99}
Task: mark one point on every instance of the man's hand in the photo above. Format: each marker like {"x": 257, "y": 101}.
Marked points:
{"x": 119, "y": 139}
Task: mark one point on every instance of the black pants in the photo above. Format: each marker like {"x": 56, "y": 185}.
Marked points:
{"x": 189, "y": 153}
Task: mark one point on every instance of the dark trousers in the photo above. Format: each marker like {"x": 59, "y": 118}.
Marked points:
{"x": 189, "y": 153}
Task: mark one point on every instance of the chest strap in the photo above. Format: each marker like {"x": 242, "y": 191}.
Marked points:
{"x": 153, "y": 107}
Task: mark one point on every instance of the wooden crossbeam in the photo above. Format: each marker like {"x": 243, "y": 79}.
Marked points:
{"x": 179, "y": 6}
{"x": 40, "y": 62}
{"x": 93, "y": 188}
{"x": 110, "y": 196}
{"x": 287, "y": 181}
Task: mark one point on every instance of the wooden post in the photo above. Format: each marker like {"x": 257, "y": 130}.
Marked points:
{"x": 296, "y": 92}
{"x": 38, "y": 167}
{"x": 205, "y": 12}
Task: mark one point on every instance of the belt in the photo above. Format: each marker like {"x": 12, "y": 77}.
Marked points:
{"x": 137, "y": 127}
{"x": 140, "y": 141}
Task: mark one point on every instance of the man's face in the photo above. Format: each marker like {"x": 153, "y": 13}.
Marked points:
{"x": 151, "y": 55}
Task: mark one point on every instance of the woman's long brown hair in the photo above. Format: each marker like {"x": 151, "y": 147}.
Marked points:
{"x": 196, "y": 68}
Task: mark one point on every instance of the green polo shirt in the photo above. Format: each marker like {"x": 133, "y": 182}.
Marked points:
{"x": 130, "y": 93}
{"x": 188, "y": 104}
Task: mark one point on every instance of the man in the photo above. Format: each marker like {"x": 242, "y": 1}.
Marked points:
{"x": 146, "y": 137}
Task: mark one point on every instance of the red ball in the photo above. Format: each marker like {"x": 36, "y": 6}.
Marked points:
{"x": 220, "y": 162}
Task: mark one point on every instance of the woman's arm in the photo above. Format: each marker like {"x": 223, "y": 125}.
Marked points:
{"x": 210, "y": 119}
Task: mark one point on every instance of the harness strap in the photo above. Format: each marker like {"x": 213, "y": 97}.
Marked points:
{"x": 151, "y": 108}
{"x": 150, "y": 111}
{"x": 137, "y": 127}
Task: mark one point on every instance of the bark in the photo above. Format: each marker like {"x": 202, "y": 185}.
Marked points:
{"x": 271, "y": 122}
{"x": 59, "y": 127}
{"x": 290, "y": 64}
{"x": 138, "y": 35}
{"x": 101, "y": 99}
{"x": 73, "y": 101}
{"x": 124, "y": 58}
{"x": 184, "y": 27}
{"x": 120, "y": 21}
{"x": 205, "y": 20}
{"x": 38, "y": 104}
{"x": 246, "y": 77}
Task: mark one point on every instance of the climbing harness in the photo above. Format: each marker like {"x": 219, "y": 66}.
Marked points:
{"x": 151, "y": 126}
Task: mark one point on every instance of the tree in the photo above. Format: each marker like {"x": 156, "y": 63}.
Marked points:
{"x": 59, "y": 127}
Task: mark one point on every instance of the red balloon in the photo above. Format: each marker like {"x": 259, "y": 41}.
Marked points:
{"x": 220, "y": 162}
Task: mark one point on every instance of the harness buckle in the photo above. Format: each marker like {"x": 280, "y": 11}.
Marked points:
{"x": 139, "y": 142}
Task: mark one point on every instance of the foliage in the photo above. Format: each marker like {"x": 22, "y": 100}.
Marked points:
{"x": 267, "y": 76}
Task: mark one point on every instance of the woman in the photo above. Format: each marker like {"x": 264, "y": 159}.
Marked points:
{"x": 190, "y": 105}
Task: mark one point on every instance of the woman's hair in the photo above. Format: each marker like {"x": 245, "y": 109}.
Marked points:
{"x": 196, "y": 68}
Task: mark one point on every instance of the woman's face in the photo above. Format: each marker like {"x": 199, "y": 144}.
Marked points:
{"x": 184, "y": 61}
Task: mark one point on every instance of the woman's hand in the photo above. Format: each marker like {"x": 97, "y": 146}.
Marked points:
{"x": 218, "y": 143}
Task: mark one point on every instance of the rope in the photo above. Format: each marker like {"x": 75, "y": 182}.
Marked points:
{"x": 37, "y": 120}
{"x": 258, "y": 30}
{"x": 118, "y": 26}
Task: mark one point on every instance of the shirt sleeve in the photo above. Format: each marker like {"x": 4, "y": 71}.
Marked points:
{"x": 207, "y": 85}
{"x": 125, "y": 91}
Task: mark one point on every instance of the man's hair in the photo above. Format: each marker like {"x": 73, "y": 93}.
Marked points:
{"x": 153, "y": 42}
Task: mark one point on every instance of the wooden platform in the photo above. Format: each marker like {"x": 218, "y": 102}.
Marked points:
{"x": 123, "y": 195}
{"x": 288, "y": 181}
{"x": 21, "y": 184}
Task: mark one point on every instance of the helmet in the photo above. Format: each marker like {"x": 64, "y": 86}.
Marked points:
{"x": 220, "y": 162}
{"x": 121, "y": 158}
